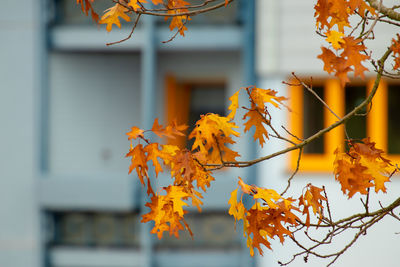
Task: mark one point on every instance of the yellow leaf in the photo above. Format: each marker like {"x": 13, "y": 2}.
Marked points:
{"x": 135, "y": 133}
{"x": 175, "y": 194}
{"x": 378, "y": 170}
{"x": 256, "y": 120}
{"x": 335, "y": 38}
{"x": 267, "y": 195}
{"x": 135, "y": 4}
{"x": 234, "y": 105}
{"x": 112, "y": 16}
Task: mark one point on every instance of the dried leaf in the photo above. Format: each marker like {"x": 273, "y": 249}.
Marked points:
{"x": 112, "y": 15}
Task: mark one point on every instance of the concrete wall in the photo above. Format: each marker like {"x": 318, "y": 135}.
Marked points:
{"x": 19, "y": 85}
{"x": 94, "y": 100}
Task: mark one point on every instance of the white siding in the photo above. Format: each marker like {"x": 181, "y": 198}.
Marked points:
{"x": 287, "y": 42}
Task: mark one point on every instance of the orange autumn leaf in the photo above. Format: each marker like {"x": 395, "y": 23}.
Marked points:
{"x": 258, "y": 114}
{"x": 178, "y": 22}
{"x": 266, "y": 223}
{"x": 248, "y": 189}
{"x": 152, "y": 154}
{"x": 263, "y": 221}
{"x": 312, "y": 198}
{"x": 175, "y": 194}
{"x": 237, "y": 209}
{"x": 187, "y": 170}
{"x": 353, "y": 52}
{"x": 396, "y": 52}
{"x": 136, "y": 4}
{"x": 234, "y": 105}
{"x": 257, "y": 219}
{"x": 256, "y": 120}
{"x": 138, "y": 162}
{"x": 372, "y": 158}
{"x": 112, "y": 16}
{"x": 170, "y": 131}
{"x": 135, "y": 133}
{"x": 211, "y": 134}
{"x": 270, "y": 196}
{"x": 361, "y": 168}
{"x": 351, "y": 175}
{"x": 350, "y": 59}
{"x": 157, "y": 2}
{"x": 330, "y": 13}
{"x": 86, "y": 6}
{"x": 262, "y": 97}
{"x": 167, "y": 213}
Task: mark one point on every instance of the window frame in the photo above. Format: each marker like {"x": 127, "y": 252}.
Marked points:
{"x": 334, "y": 98}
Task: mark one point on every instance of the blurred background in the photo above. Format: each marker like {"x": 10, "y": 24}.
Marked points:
{"x": 67, "y": 100}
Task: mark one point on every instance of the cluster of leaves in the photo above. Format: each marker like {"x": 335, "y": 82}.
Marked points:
{"x": 176, "y": 10}
{"x": 396, "y": 52}
{"x": 191, "y": 171}
{"x": 270, "y": 215}
{"x": 361, "y": 168}
{"x": 332, "y": 19}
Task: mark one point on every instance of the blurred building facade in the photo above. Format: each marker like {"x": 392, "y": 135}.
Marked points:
{"x": 68, "y": 99}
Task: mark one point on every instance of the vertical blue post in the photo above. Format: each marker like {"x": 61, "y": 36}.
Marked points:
{"x": 249, "y": 75}
{"x": 41, "y": 130}
{"x": 148, "y": 77}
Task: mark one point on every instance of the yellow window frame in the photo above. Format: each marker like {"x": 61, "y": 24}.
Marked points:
{"x": 334, "y": 98}
{"x": 377, "y": 124}
{"x": 377, "y": 119}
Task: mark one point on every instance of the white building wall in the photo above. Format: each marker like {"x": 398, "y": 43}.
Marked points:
{"x": 94, "y": 100}
{"x": 286, "y": 42}
{"x": 19, "y": 65}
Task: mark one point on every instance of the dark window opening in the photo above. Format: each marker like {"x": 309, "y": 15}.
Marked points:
{"x": 356, "y": 127}
{"x": 393, "y": 119}
{"x": 313, "y": 119}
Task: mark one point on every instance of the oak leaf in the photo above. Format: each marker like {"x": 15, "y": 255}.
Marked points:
{"x": 171, "y": 131}
{"x": 138, "y": 162}
{"x": 257, "y": 120}
{"x": 175, "y": 194}
{"x": 335, "y": 38}
{"x": 152, "y": 154}
{"x": 112, "y": 15}
{"x": 234, "y": 105}
{"x": 362, "y": 167}
{"x": 135, "y": 133}
{"x": 164, "y": 217}
{"x": 178, "y": 7}
{"x": 396, "y": 52}
{"x": 312, "y": 198}
{"x": 86, "y": 6}
{"x": 136, "y": 4}
{"x": 211, "y": 134}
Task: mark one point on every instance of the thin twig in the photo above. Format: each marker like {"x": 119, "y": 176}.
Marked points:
{"x": 130, "y": 34}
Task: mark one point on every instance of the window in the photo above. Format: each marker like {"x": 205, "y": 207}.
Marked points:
{"x": 309, "y": 116}
{"x": 187, "y": 100}
{"x": 320, "y": 158}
